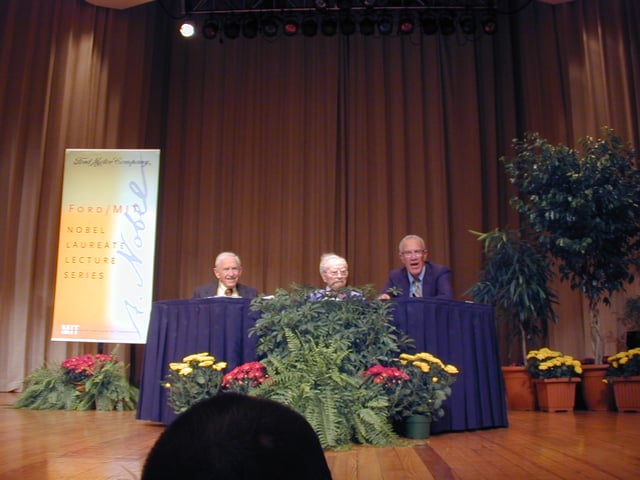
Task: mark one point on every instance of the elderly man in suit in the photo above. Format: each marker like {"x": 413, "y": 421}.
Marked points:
{"x": 419, "y": 277}
{"x": 227, "y": 270}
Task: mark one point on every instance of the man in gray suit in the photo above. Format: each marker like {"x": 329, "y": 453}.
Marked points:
{"x": 227, "y": 269}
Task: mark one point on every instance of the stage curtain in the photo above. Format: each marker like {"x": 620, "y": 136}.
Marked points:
{"x": 283, "y": 149}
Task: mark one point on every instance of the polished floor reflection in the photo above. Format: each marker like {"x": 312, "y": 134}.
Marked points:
{"x": 48, "y": 445}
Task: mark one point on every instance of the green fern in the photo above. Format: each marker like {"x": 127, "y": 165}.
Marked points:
{"x": 339, "y": 406}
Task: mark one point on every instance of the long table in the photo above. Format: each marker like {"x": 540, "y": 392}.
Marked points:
{"x": 459, "y": 333}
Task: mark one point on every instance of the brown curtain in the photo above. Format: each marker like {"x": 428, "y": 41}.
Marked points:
{"x": 283, "y": 149}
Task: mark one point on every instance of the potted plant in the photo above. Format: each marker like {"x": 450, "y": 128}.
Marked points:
{"x": 245, "y": 378}
{"x": 515, "y": 280}
{"x": 584, "y": 205}
{"x": 417, "y": 388}
{"x": 624, "y": 374}
{"x": 86, "y": 382}
{"x": 197, "y": 377}
{"x": 555, "y": 376}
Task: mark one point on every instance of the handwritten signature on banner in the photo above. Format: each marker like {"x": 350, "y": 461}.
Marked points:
{"x": 134, "y": 242}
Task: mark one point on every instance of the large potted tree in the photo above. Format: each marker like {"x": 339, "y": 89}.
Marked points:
{"x": 584, "y": 206}
{"x": 515, "y": 280}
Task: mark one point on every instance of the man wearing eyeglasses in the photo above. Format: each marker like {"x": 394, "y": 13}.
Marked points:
{"x": 334, "y": 271}
{"x": 419, "y": 277}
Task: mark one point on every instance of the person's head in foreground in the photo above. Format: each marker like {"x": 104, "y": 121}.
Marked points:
{"x": 237, "y": 437}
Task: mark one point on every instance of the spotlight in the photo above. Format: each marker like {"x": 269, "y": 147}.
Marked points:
{"x": 210, "y": 29}
{"x": 231, "y": 28}
{"x": 467, "y": 24}
{"x": 188, "y": 29}
{"x": 489, "y": 24}
{"x": 446, "y": 24}
{"x": 429, "y": 24}
{"x": 344, "y": 4}
{"x": 290, "y": 27}
{"x": 385, "y": 25}
{"x": 269, "y": 27}
{"x": 367, "y": 26}
{"x": 405, "y": 24}
{"x": 369, "y": 3}
{"x": 348, "y": 25}
{"x": 329, "y": 27}
{"x": 250, "y": 28}
{"x": 309, "y": 27}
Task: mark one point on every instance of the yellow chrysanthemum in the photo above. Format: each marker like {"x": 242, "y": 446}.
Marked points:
{"x": 219, "y": 366}
{"x": 205, "y": 363}
{"x": 452, "y": 369}
{"x": 186, "y": 371}
{"x": 424, "y": 366}
{"x": 177, "y": 365}
{"x": 196, "y": 357}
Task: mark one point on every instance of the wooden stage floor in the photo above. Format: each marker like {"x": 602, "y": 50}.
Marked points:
{"x": 48, "y": 445}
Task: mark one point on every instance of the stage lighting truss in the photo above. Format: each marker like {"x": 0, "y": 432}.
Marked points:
{"x": 273, "y": 18}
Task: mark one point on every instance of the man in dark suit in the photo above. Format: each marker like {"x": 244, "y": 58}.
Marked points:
{"x": 419, "y": 277}
{"x": 227, "y": 269}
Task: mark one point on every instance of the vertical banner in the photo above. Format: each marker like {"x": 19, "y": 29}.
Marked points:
{"x": 106, "y": 246}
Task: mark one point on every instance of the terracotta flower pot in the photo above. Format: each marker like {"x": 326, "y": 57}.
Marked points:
{"x": 518, "y": 388}
{"x": 627, "y": 393}
{"x": 597, "y": 395}
{"x": 556, "y": 394}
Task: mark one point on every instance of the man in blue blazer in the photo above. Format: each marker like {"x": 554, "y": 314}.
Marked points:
{"x": 419, "y": 277}
{"x": 227, "y": 269}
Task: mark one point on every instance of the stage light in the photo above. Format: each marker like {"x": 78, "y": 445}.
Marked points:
{"x": 290, "y": 27}
{"x": 188, "y": 29}
{"x": 210, "y": 29}
{"x": 368, "y": 3}
{"x": 490, "y": 24}
{"x": 329, "y": 26}
{"x": 405, "y": 24}
{"x": 367, "y": 26}
{"x": 321, "y": 4}
{"x": 385, "y": 25}
{"x": 231, "y": 28}
{"x": 429, "y": 24}
{"x": 446, "y": 24}
{"x": 269, "y": 27}
{"x": 467, "y": 23}
{"x": 348, "y": 25}
{"x": 250, "y": 28}
{"x": 344, "y": 4}
{"x": 309, "y": 27}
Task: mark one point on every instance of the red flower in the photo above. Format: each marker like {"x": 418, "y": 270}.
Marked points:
{"x": 386, "y": 376}
{"x": 249, "y": 374}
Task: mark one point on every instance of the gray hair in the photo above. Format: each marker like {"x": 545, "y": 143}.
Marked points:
{"x": 411, "y": 237}
{"x": 224, "y": 255}
{"x": 326, "y": 258}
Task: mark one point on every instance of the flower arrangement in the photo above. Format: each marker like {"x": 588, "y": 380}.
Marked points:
{"x": 419, "y": 386}
{"x": 85, "y": 382}
{"x": 197, "y": 377}
{"x": 389, "y": 377}
{"x": 79, "y": 369}
{"x": 623, "y": 364}
{"x": 244, "y": 377}
{"x": 547, "y": 363}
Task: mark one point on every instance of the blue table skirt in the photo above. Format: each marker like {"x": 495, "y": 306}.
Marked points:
{"x": 460, "y": 333}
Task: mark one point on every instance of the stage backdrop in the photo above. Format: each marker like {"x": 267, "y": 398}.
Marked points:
{"x": 106, "y": 246}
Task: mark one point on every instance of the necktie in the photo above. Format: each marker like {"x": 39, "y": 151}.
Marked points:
{"x": 416, "y": 290}
{"x": 228, "y": 292}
